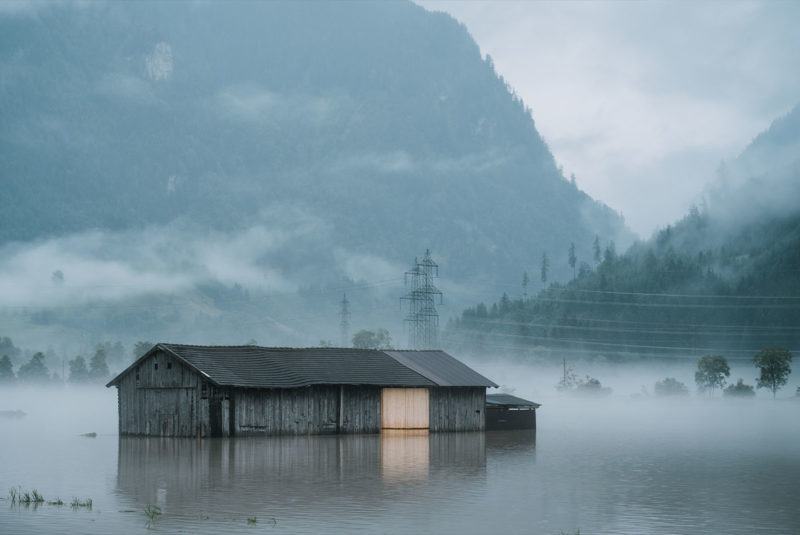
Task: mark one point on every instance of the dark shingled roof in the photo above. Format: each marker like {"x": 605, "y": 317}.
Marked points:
{"x": 276, "y": 367}
{"x": 441, "y": 368}
{"x": 507, "y": 400}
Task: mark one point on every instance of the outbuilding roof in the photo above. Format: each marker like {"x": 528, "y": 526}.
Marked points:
{"x": 280, "y": 367}
{"x": 440, "y": 368}
{"x": 507, "y": 400}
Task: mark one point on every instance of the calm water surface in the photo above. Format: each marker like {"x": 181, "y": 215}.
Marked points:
{"x": 606, "y": 466}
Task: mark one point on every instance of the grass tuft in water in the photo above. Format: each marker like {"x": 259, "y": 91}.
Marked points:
{"x": 252, "y": 521}
{"x": 13, "y": 494}
{"x": 36, "y": 497}
{"x": 76, "y": 503}
{"x": 57, "y": 501}
{"x": 153, "y": 513}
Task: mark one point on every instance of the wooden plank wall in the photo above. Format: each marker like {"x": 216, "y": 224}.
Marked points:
{"x": 320, "y": 409}
{"x": 160, "y": 401}
{"x": 457, "y": 408}
{"x": 361, "y": 409}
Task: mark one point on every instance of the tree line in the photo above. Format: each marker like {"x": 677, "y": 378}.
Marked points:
{"x": 77, "y": 370}
{"x": 773, "y": 365}
{"x": 689, "y": 291}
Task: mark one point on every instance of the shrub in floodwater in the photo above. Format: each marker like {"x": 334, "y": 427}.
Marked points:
{"x": 739, "y": 390}
{"x": 670, "y": 387}
{"x": 592, "y": 387}
{"x": 711, "y": 372}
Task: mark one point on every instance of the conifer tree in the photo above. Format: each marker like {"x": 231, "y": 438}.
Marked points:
{"x": 572, "y": 258}
{"x": 545, "y": 268}
{"x": 78, "y": 372}
{"x": 98, "y": 367}
{"x": 6, "y": 370}
{"x": 35, "y": 370}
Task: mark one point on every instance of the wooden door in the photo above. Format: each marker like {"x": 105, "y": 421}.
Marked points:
{"x": 405, "y": 408}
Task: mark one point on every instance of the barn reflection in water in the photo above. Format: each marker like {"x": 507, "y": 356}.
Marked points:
{"x": 268, "y": 474}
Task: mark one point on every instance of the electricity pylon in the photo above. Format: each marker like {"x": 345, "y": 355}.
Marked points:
{"x": 344, "y": 323}
{"x": 422, "y": 318}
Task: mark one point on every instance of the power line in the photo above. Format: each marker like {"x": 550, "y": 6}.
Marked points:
{"x": 693, "y": 296}
{"x": 614, "y": 344}
{"x": 666, "y": 305}
{"x": 582, "y": 351}
{"x": 665, "y": 331}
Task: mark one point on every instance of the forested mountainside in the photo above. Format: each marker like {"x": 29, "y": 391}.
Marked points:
{"x": 380, "y": 121}
{"x": 723, "y": 280}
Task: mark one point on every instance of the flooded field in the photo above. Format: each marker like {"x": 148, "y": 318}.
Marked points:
{"x": 612, "y": 466}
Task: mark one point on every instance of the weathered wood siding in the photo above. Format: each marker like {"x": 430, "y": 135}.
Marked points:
{"x": 161, "y": 397}
{"x": 458, "y": 408}
{"x": 316, "y": 410}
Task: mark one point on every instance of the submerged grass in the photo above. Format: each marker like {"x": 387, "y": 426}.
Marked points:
{"x": 77, "y": 503}
{"x": 35, "y": 498}
{"x": 153, "y": 513}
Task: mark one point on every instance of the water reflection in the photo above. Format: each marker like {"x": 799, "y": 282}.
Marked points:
{"x": 272, "y": 475}
{"x": 521, "y": 441}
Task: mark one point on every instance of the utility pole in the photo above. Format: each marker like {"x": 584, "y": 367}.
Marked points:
{"x": 344, "y": 323}
{"x": 422, "y": 318}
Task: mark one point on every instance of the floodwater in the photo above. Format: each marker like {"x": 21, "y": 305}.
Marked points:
{"x": 612, "y": 466}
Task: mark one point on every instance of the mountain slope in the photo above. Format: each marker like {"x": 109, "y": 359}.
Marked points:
{"x": 723, "y": 280}
{"x": 381, "y": 120}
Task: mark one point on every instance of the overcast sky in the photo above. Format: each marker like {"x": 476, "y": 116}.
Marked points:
{"x": 643, "y": 100}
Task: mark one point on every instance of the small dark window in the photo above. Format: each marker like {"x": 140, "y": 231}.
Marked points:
{"x": 156, "y": 367}
{"x": 137, "y": 376}
{"x": 169, "y": 365}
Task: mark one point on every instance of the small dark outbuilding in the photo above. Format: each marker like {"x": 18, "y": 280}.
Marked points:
{"x": 207, "y": 391}
{"x": 504, "y": 411}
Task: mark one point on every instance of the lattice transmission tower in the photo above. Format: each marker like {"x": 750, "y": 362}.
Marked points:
{"x": 344, "y": 323}
{"x": 422, "y": 319}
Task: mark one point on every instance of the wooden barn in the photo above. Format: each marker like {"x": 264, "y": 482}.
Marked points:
{"x": 220, "y": 391}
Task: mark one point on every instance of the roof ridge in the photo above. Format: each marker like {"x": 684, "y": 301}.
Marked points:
{"x": 282, "y": 348}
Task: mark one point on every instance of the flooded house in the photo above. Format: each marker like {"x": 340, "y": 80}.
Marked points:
{"x": 220, "y": 391}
